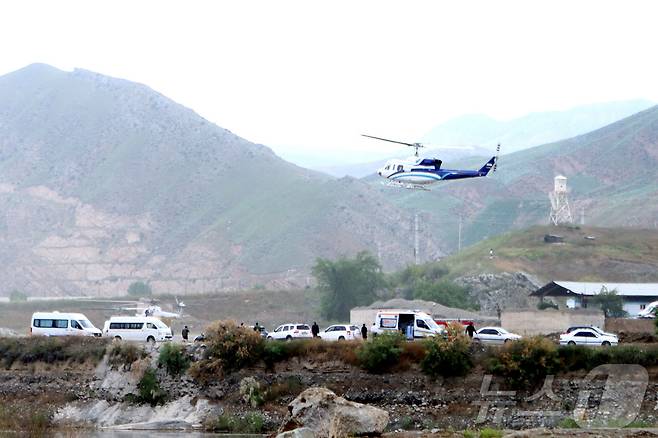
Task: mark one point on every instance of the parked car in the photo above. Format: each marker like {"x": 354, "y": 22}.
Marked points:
{"x": 62, "y": 324}
{"x": 340, "y": 332}
{"x": 494, "y": 335}
{"x": 413, "y": 323}
{"x": 589, "y": 337}
{"x": 593, "y": 327}
{"x": 291, "y": 331}
{"x": 261, "y": 330}
{"x": 137, "y": 328}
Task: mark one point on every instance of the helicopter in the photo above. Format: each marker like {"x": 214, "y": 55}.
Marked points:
{"x": 416, "y": 172}
{"x": 147, "y": 309}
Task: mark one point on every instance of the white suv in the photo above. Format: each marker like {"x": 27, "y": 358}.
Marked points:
{"x": 291, "y": 331}
{"x": 340, "y": 332}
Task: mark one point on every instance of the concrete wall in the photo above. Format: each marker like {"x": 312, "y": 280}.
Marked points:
{"x": 543, "y": 322}
{"x": 625, "y": 325}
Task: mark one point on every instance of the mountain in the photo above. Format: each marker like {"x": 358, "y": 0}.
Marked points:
{"x": 612, "y": 177}
{"x": 533, "y": 129}
{"x": 104, "y": 182}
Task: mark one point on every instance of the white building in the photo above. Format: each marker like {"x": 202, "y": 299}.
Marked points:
{"x": 574, "y": 294}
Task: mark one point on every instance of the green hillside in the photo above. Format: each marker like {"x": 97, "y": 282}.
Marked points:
{"x": 587, "y": 254}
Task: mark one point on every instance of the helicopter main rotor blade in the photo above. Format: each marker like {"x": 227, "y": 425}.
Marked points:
{"x": 392, "y": 141}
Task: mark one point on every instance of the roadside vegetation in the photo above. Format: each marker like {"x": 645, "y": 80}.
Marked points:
{"x": 51, "y": 350}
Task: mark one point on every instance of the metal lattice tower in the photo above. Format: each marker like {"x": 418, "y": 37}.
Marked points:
{"x": 560, "y": 211}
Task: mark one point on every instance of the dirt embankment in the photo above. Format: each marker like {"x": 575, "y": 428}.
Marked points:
{"x": 414, "y": 401}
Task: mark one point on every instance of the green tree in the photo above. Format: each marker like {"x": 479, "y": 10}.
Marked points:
{"x": 139, "y": 289}
{"x": 17, "y": 296}
{"x": 444, "y": 292}
{"x": 347, "y": 283}
{"x": 610, "y": 302}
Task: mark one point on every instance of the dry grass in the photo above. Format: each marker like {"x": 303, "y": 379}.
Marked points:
{"x": 51, "y": 350}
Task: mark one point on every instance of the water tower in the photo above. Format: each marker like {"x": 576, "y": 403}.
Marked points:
{"x": 560, "y": 211}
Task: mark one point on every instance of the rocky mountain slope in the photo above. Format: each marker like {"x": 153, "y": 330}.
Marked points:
{"x": 104, "y": 182}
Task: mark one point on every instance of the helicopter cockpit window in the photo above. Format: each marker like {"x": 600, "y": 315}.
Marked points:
{"x": 399, "y": 167}
{"x": 386, "y": 167}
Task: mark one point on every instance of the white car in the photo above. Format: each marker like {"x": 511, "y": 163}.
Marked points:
{"x": 494, "y": 335}
{"x": 291, "y": 331}
{"x": 589, "y": 337}
{"x": 340, "y": 332}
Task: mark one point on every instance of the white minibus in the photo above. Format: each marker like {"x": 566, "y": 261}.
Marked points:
{"x": 62, "y": 324}
{"x": 137, "y": 328}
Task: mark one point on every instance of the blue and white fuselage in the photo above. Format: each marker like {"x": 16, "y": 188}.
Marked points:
{"x": 423, "y": 171}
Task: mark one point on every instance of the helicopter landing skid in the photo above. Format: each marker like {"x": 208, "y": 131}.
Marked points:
{"x": 408, "y": 186}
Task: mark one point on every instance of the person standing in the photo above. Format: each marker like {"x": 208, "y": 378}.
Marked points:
{"x": 315, "y": 329}
{"x": 470, "y": 330}
{"x": 364, "y": 332}
{"x": 185, "y": 333}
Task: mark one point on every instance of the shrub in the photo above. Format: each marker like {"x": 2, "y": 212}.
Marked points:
{"x": 139, "y": 289}
{"x": 124, "y": 354}
{"x": 173, "y": 357}
{"x": 447, "y": 357}
{"x": 543, "y": 305}
{"x": 228, "y": 348}
{"x": 490, "y": 433}
{"x": 251, "y": 423}
{"x": 250, "y": 392}
{"x": 382, "y": 353}
{"x": 51, "y": 350}
{"x": 149, "y": 389}
{"x": 525, "y": 362}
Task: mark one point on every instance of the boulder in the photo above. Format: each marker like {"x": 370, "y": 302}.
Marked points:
{"x": 301, "y": 432}
{"x": 331, "y": 416}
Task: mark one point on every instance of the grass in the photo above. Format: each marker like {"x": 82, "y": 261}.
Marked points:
{"x": 252, "y": 422}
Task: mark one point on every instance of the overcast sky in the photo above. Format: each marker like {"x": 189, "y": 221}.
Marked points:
{"x": 309, "y": 77}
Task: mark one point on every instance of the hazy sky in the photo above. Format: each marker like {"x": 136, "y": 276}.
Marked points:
{"x": 309, "y": 76}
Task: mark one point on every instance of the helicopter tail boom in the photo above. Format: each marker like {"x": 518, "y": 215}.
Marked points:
{"x": 491, "y": 164}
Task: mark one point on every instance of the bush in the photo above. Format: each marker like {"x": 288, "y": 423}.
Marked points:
{"x": 251, "y": 423}
{"x": 123, "y": 354}
{"x": 51, "y": 350}
{"x": 228, "y": 348}
{"x": 149, "y": 389}
{"x": 139, "y": 289}
{"x": 444, "y": 292}
{"x": 543, "y": 305}
{"x": 250, "y": 392}
{"x": 382, "y": 353}
{"x": 173, "y": 357}
{"x": 525, "y": 362}
{"x": 447, "y": 357}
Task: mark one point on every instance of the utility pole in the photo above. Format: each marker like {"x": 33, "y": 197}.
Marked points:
{"x": 459, "y": 238}
{"x": 416, "y": 240}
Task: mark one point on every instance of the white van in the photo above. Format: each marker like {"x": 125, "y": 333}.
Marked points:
{"x": 412, "y": 323}
{"x": 62, "y": 324}
{"x": 137, "y": 328}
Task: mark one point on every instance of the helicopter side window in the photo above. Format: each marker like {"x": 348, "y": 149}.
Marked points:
{"x": 399, "y": 167}
{"x": 386, "y": 167}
